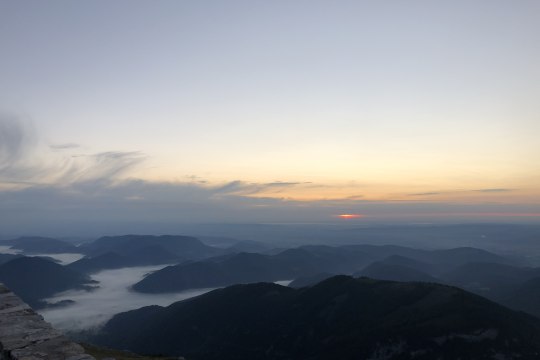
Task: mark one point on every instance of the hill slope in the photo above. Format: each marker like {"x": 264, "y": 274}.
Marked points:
{"x": 160, "y": 248}
{"x": 383, "y": 271}
{"x": 339, "y": 318}
{"x": 33, "y": 279}
{"x": 89, "y": 265}
{"x": 301, "y": 262}
{"x": 249, "y": 267}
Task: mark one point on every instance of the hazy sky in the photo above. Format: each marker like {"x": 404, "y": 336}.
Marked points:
{"x": 367, "y": 101}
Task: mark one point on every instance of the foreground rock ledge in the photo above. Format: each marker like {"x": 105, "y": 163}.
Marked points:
{"x": 24, "y": 335}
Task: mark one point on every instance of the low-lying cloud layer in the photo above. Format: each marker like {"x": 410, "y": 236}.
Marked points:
{"x": 94, "y": 308}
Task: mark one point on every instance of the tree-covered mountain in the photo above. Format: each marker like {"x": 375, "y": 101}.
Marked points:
{"x": 34, "y": 279}
{"x": 151, "y": 255}
{"x": 384, "y": 271}
{"x": 4, "y": 258}
{"x": 526, "y": 297}
{"x": 494, "y": 281}
{"x": 339, "y": 318}
{"x": 309, "y": 280}
{"x": 299, "y": 262}
{"x": 110, "y": 260}
{"x": 250, "y": 267}
{"x": 426, "y": 267}
{"x": 160, "y": 249}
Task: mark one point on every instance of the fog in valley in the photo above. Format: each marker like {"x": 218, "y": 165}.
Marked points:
{"x": 93, "y": 308}
{"x": 63, "y": 259}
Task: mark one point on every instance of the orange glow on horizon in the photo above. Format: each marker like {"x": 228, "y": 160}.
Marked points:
{"x": 498, "y": 214}
{"x": 350, "y": 216}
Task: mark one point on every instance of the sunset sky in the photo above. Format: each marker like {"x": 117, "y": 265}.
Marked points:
{"x": 378, "y": 108}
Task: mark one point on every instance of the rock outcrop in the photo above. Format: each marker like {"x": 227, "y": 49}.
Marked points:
{"x": 24, "y": 335}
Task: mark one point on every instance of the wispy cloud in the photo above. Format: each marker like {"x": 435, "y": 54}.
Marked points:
{"x": 66, "y": 146}
{"x": 15, "y": 141}
{"x": 25, "y": 160}
{"x": 448, "y": 192}
{"x": 495, "y": 190}
{"x": 426, "y": 194}
{"x": 243, "y": 188}
{"x": 104, "y": 166}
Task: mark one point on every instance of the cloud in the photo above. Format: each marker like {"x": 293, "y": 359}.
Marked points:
{"x": 25, "y": 160}
{"x": 65, "y": 146}
{"x": 15, "y": 141}
{"x": 494, "y": 190}
{"x": 280, "y": 184}
{"x": 426, "y": 194}
{"x": 239, "y": 187}
{"x": 102, "y": 167}
{"x": 490, "y": 190}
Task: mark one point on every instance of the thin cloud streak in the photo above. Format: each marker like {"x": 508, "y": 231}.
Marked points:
{"x": 495, "y": 190}
{"x": 65, "y": 146}
{"x": 446, "y": 192}
{"x": 426, "y": 194}
{"x": 243, "y": 188}
{"x": 25, "y": 161}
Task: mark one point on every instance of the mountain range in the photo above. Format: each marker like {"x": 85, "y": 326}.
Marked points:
{"x": 34, "y": 279}
{"x": 339, "y": 318}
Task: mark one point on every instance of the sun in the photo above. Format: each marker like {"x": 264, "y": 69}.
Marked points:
{"x": 350, "y": 216}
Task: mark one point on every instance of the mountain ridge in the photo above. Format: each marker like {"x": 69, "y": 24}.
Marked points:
{"x": 341, "y": 317}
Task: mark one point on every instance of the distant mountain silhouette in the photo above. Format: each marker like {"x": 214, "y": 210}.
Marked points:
{"x": 339, "y": 318}
{"x": 526, "y": 297}
{"x": 430, "y": 261}
{"x": 41, "y": 245}
{"x": 494, "y": 281}
{"x": 249, "y": 246}
{"x": 152, "y": 249}
{"x": 463, "y": 255}
{"x": 34, "y": 279}
{"x": 240, "y": 268}
{"x": 151, "y": 255}
{"x": 309, "y": 280}
{"x": 426, "y": 267}
{"x": 384, "y": 271}
{"x": 110, "y": 260}
{"x": 249, "y": 267}
{"x": 300, "y": 262}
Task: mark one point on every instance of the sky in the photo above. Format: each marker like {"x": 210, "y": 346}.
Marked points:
{"x": 262, "y": 111}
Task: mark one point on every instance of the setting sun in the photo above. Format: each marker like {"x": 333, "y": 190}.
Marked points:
{"x": 350, "y": 216}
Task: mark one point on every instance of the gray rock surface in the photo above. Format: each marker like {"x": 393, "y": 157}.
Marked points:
{"x": 24, "y": 335}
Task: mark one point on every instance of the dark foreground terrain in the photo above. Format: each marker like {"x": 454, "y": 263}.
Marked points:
{"x": 340, "y": 318}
